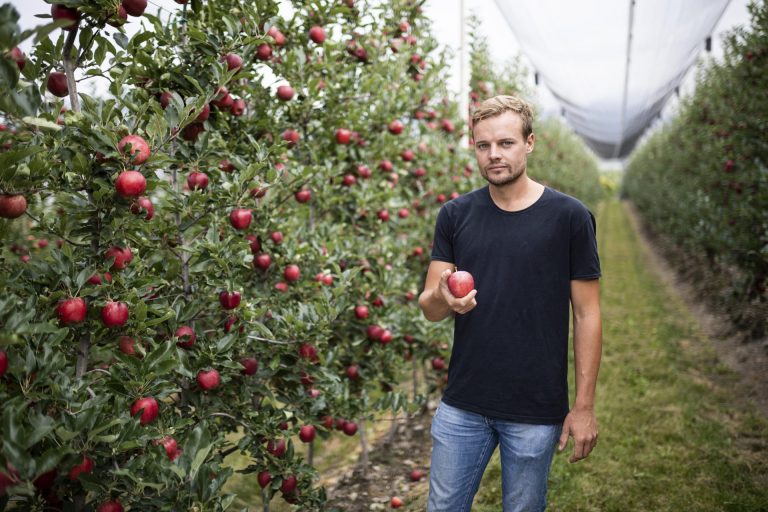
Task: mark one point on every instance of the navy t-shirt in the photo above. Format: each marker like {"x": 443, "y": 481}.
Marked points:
{"x": 510, "y": 353}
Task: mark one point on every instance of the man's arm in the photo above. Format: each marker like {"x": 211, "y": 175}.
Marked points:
{"x": 581, "y": 423}
{"x": 436, "y": 301}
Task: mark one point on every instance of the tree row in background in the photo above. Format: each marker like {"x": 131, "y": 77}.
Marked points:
{"x": 701, "y": 181}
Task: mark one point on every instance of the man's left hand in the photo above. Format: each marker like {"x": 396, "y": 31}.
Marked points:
{"x": 581, "y": 425}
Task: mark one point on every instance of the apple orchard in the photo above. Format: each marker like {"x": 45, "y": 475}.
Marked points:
{"x": 228, "y": 241}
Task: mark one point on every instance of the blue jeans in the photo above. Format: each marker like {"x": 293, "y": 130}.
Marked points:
{"x": 462, "y": 445}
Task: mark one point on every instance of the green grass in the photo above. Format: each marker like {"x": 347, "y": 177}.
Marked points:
{"x": 674, "y": 435}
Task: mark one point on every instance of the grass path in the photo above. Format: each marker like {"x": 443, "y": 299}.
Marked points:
{"x": 674, "y": 434}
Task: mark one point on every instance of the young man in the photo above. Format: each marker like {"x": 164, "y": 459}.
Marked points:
{"x": 532, "y": 251}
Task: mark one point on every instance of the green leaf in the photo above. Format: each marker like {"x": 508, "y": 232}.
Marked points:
{"x": 41, "y": 425}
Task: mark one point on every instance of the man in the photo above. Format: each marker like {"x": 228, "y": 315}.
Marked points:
{"x": 531, "y": 251}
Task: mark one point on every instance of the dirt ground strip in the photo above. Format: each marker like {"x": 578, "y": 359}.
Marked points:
{"x": 749, "y": 360}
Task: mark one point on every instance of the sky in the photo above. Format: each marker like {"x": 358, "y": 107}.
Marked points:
{"x": 503, "y": 44}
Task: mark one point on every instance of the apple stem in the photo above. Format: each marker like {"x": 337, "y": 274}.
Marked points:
{"x": 69, "y": 70}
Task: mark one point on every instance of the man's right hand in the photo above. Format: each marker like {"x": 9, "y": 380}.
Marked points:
{"x": 460, "y": 306}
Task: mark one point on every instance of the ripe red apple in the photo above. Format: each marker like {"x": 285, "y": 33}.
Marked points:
{"x": 240, "y": 218}
{"x": 343, "y": 136}
{"x": 363, "y": 171}
{"x": 143, "y": 204}
{"x": 461, "y": 283}
{"x": 406, "y": 155}
{"x": 192, "y": 131}
{"x": 386, "y": 336}
{"x": 12, "y": 206}
{"x": 264, "y": 52}
{"x": 250, "y": 365}
{"x": 348, "y": 180}
{"x": 386, "y": 166}
{"x": 264, "y": 478}
{"x": 126, "y": 345}
{"x": 86, "y": 466}
{"x": 204, "y": 114}
{"x": 114, "y": 314}
{"x": 149, "y": 408}
{"x": 276, "y": 35}
{"x": 361, "y": 312}
{"x": 57, "y": 84}
{"x": 62, "y": 12}
{"x": 111, "y": 506}
{"x": 96, "y": 280}
{"x": 303, "y": 195}
{"x": 276, "y": 237}
{"x": 308, "y": 351}
{"x": 165, "y": 99}
{"x": 292, "y": 273}
{"x": 226, "y": 166}
{"x": 395, "y": 502}
{"x": 374, "y": 332}
{"x": 71, "y": 311}
{"x": 135, "y": 7}
{"x": 3, "y": 362}
{"x": 45, "y": 481}
{"x": 350, "y": 428}
{"x": 197, "y": 180}
{"x": 353, "y": 371}
{"x": 416, "y": 475}
{"x": 438, "y": 364}
{"x": 234, "y": 61}
{"x": 291, "y": 137}
{"x": 383, "y": 215}
{"x": 208, "y": 379}
{"x": 288, "y": 485}
{"x": 130, "y": 184}
{"x": 186, "y": 336}
{"x": 18, "y": 57}
{"x": 395, "y": 127}
{"x": 419, "y": 172}
{"x": 285, "y": 92}
{"x": 229, "y": 300}
{"x": 403, "y": 213}
{"x": 447, "y": 126}
{"x": 276, "y": 447}
{"x": 317, "y": 34}
{"x": 238, "y": 107}
{"x": 122, "y": 256}
{"x": 281, "y": 286}
{"x": 171, "y": 447}
{"x": 118, "y": 17}
{"x": 262, "y": 261}
{"x": 307, "y": 433}
{"x": 139, "y": 149}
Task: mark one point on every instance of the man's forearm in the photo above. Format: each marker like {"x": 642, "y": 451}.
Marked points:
{"x": 587, "y": 346}
{"x": 433, "y": 306}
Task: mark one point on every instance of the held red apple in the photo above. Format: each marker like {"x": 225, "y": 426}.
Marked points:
{"x": 264, "y": 478}
{"x": 292, "y": 273}
{"x": 122, "y": 256}
{"x": 3, "y": 362}
{"x": 62, "y": 12}
{"x": 240, "y": 218}
{"x": 285, "y": 92}
{"x": 139, "y": 149}
{"x": 110, "y": 506}
{"x": 395, "y": 127}
{"x": 130, "y": 184}
{"x": 186, "y": 336}
{"x": 229, "y": 300}
{"x": 461, "y": 283}
{"x": 148, "y": 407}
{"x": 343, "y": 136}
{"x": 71, "y": 311}
{"x": 250, "y": 365}
{"x": 307, "y": 433}
{"x": 317, "y": 34}
{"x": 57, "y": 84}
{"x": 135, "y": 7}
{"x": 12, "y": 206}
{"x": 208, "y": 379}
{"x": 114, "y": 314}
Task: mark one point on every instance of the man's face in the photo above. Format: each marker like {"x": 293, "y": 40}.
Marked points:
{"x": 500, "y": 148}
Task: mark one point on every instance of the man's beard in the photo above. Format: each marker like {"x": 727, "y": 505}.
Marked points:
{"x": 506, "y": 179}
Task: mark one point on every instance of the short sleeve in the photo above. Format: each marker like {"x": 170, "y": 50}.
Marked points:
{"x": 584, "y": 260}
{"x": 442, "y": 243}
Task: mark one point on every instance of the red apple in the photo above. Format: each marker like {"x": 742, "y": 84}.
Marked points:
{"x": 374, "y": 332}
{"x": 12, "y": 206}
{"x": 149, "y": 408}
{"x": 395, "y": 502}
{"x": 238, "y": 107}
{"x": 276, "y": 35}
{"x": 254, "y": 243}
{"x": 135, "y": 7}
{"x": 57, "y": 84}
{"x": 234, "y": 61}
{"x": 130, "y": 184}
{"x": 62, "y": 12}
{"x": 264, "y": 52}
{"x": 276, "y": 237}
{"x": 395, "y": 127}
{"x": 403, "y": 213}
{"x": 112, "y": 506}
{"x": 276, "y": 447}
{"x": 438, "y": 364}
{"x": 291, "y": 137}
{"x": 165, "y": 99}
{"x": 317, "y": 34}
{"x": 3, "y": 362}
{"x": 288, "y": 485}
{"x": 363, "y": 171}
{"x": 122, "y": 256}
{"x": 386, "y": 337}
{"x": 229, "y": 300}
{"x": 383, "y": 215}
{"x": 291, "y": 273}
{"x": 86, "y": 466}
{"x": 308, "y": 351}
{"x": 171, "y": 447}
{"x": 307, "y": 433}
{"x": 143, "y": 204}
{"x": 240, "y": 218}
{"x": 285, "y": 92}
{"x": 114, "y": 314}
{"x": 416, "y": 475}
{"x": 350, "y": 428}
{"x": 303, "y": 195}
{"x": 250, "y": 365}
{"x": 343, "y": 136}
{"x": 386, "y": 166}
{"x": 46, "y": 480}
{"x": 406, "y": 155}
{"x": 262, "y": 261}
{"x": 186, "y": 336}
{"x": 348, "y": 180}
{"x": 461, "y": 283}
{"x": 197, "y": 180}
{"x": 209, "y": 379}
{"x": 361, "y": 312}
{"x": 353, "y": 372}
{"x": 204, "y": 114}
{"x": 126, "y": 345}
{"x": 18, "y": 57}
{"x": 71, "y": 311}
{"x": 264, "y": 478}
{"x": 139, "y": 148}
{"x": 226, "y": 166}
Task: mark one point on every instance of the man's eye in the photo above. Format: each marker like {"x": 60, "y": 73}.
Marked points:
{"x": 507, "y": 143}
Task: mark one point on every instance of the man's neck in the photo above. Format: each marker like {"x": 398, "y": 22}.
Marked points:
{"x": 518, "y": 195}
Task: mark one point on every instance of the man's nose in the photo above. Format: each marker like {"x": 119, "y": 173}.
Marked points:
{"x": 494, "y": 152}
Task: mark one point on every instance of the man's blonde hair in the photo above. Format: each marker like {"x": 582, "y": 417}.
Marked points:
{"x": 497, "y": 105}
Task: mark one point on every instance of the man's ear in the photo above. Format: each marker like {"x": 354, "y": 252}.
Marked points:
{"x": 530, "y": 142}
